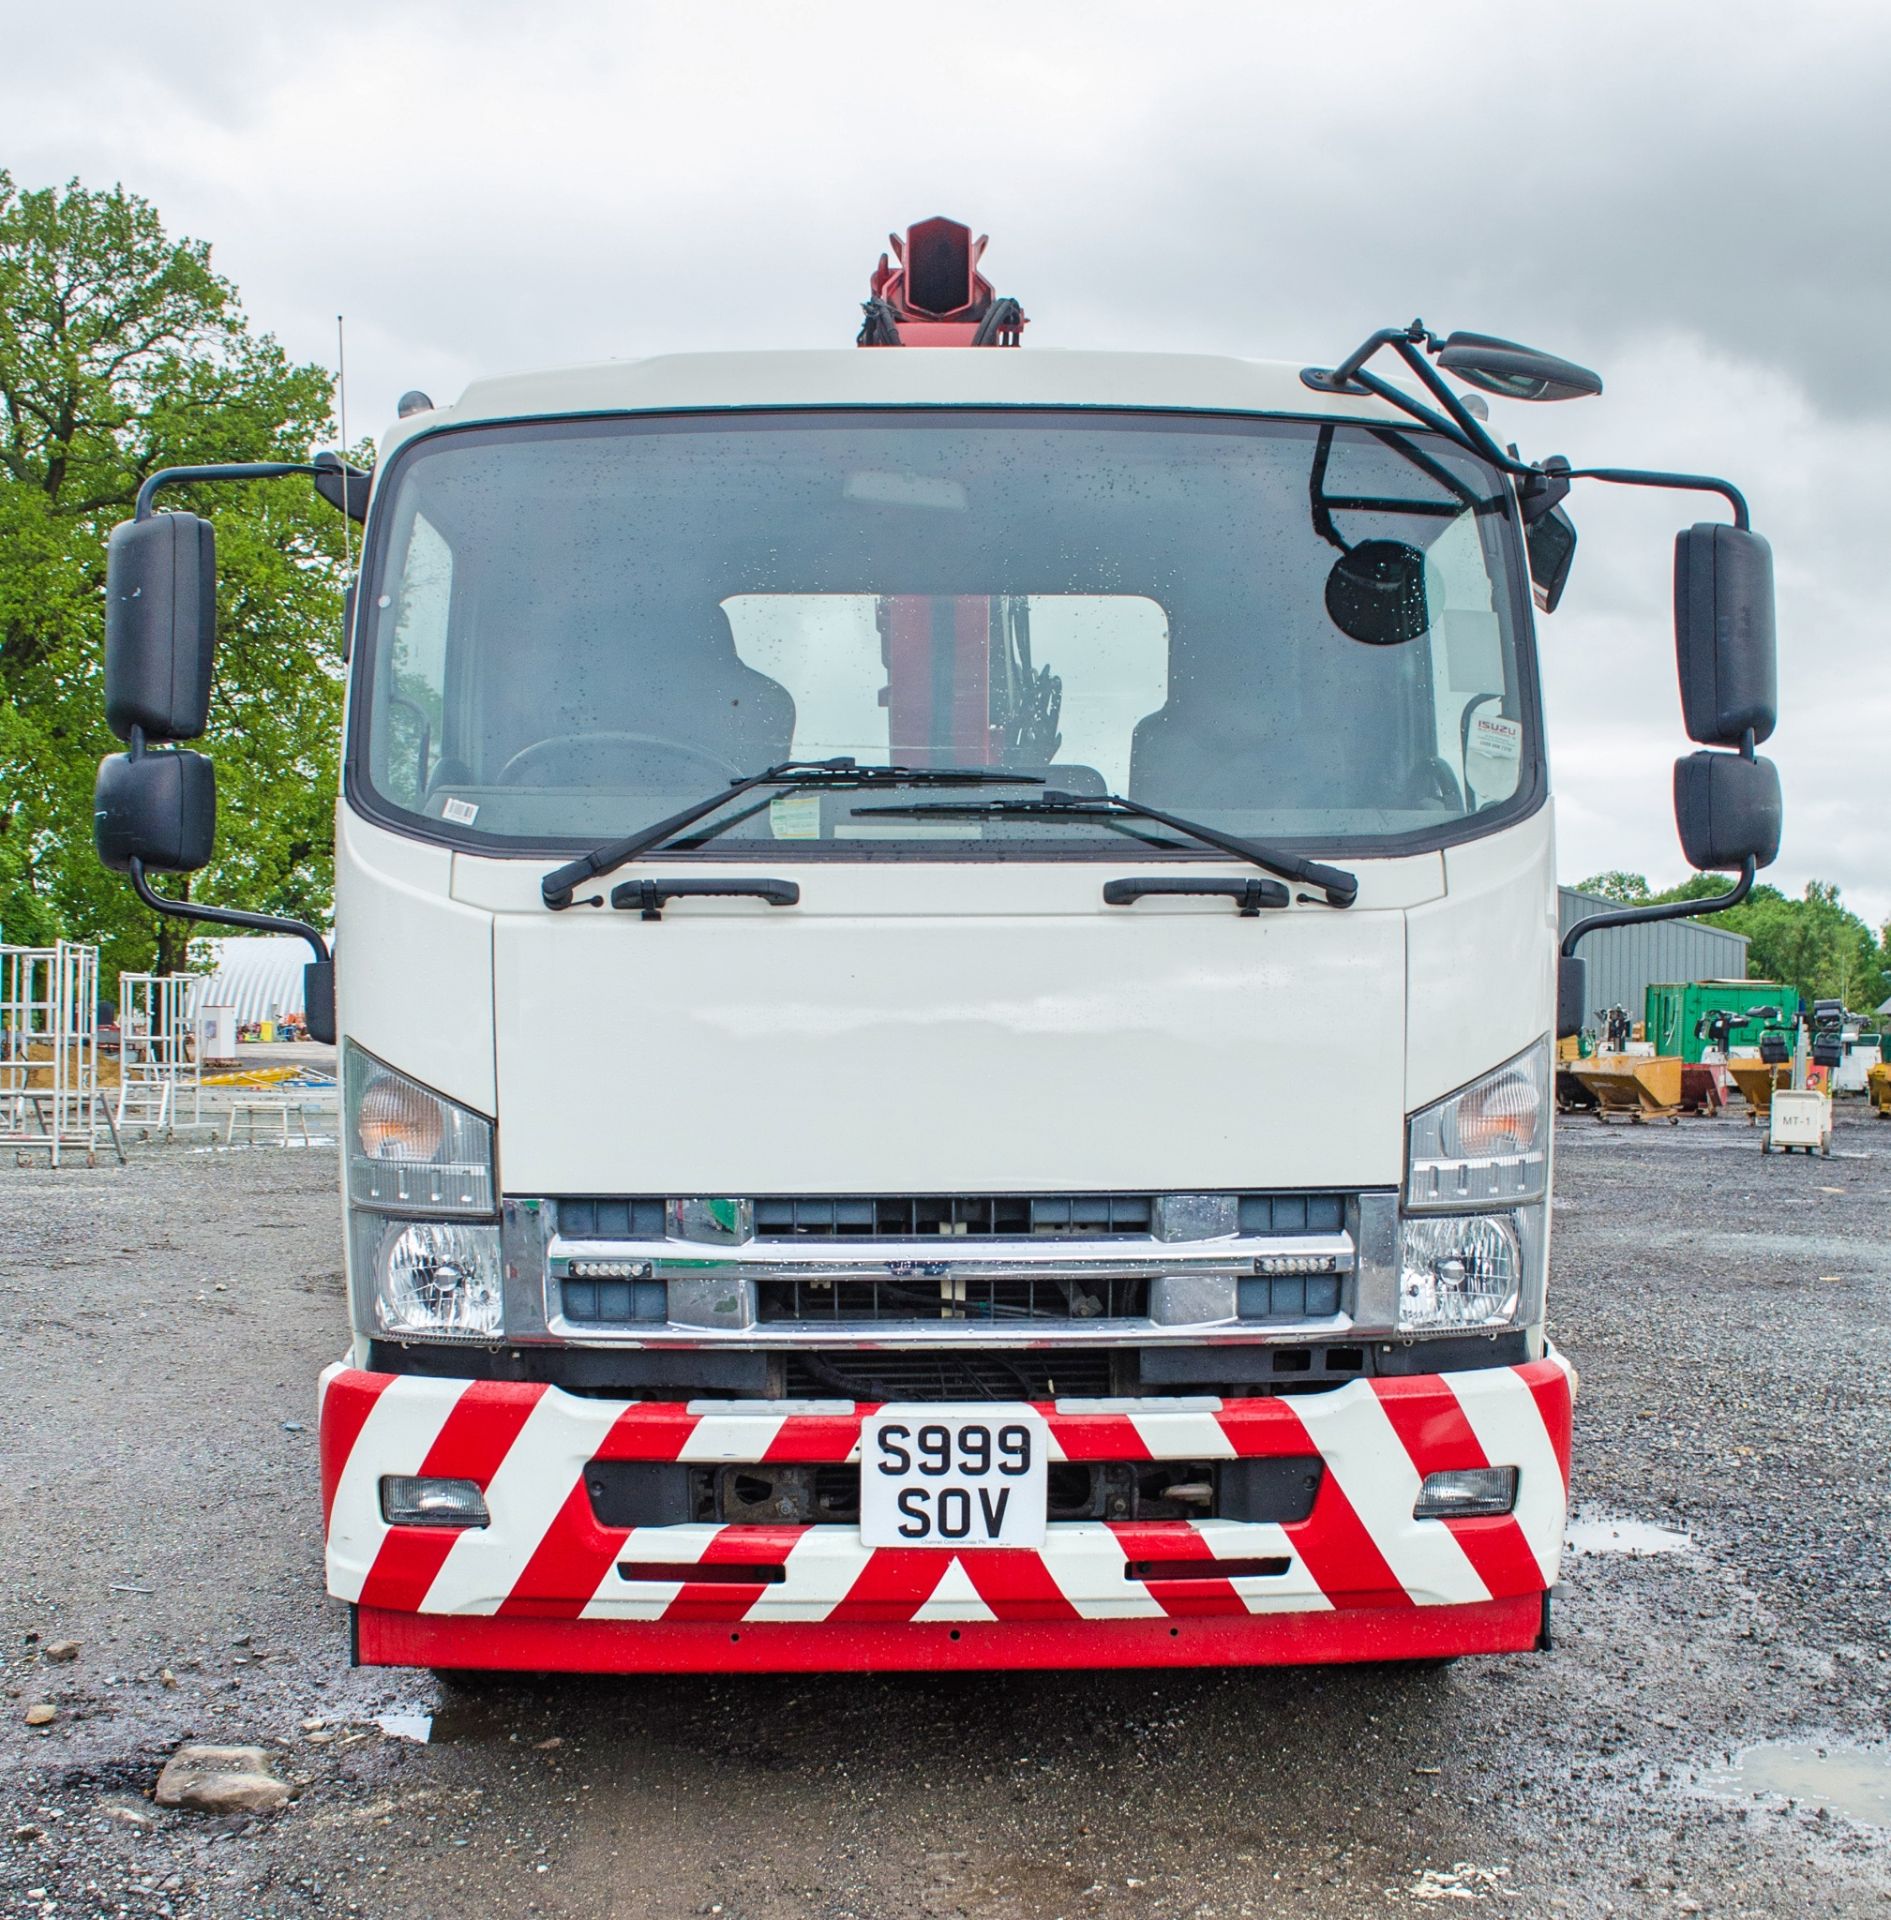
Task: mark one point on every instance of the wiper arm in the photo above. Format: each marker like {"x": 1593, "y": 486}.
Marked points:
{"x": 844, "y": 772}
{"x": 1340, "y": 887}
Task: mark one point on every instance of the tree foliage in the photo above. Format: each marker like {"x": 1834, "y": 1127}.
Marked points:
{"x": 1814, "y": 943}
{"x": 123, "y": 351}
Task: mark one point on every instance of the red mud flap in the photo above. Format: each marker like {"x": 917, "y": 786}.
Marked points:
{"x": 389, "y": 1639}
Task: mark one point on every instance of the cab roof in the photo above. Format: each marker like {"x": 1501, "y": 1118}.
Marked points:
{"x": 899, "y": 376}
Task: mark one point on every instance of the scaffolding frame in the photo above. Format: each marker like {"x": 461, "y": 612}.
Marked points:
{"x": 157, "y": 1053}
{"x": 50, "y": 1098}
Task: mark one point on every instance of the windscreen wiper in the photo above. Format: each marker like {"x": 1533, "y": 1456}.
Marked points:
{"x": 1340, "y": 887}
{"x": 843, "y": 773}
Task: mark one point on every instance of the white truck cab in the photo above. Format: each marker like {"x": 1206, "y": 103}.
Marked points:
{"x": 946, "y": 969}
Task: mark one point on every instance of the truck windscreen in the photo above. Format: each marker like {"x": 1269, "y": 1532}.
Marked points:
{"x": 1312, "y": 635}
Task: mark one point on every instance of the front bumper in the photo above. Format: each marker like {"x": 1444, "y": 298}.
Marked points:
{"x": 541, "y": 1587}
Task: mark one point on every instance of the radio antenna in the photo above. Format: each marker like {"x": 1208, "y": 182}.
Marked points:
{"x": 341, "y": 407}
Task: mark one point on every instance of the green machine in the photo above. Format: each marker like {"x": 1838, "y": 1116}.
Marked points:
{"x": 1670, "y": 1013}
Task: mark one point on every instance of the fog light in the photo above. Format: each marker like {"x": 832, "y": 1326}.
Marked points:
{"x": 1466, "y": 1493}
{"x": 407, "y": 1501}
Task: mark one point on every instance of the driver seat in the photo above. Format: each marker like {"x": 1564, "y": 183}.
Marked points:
{"x": 677, "y": 679}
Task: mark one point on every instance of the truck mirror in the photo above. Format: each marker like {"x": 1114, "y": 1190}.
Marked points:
{"x": 160, "y": 626}
{"x": 318, "y": 1000}
{"x": 1572, "y": 994}
{"x": 345, "y": 488}
{"x": 158, "y": 808}
{"x": 1550, "y": 543}
{"x": 1728, "y": 810}
{"x": 1516, "y": 372}
{"x": 1723, "y": 634}
{"x": 1376, "y": 593}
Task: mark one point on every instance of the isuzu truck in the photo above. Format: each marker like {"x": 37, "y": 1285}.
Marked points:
{"x": 946, "y": 972}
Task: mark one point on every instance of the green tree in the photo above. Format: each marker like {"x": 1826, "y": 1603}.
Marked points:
{"x": 122, "y": 351}
{"x": 1629, "y": 888}
{"x": 1814, "y": 943}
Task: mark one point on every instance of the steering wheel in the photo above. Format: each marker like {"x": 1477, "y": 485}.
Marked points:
{"x": 512, "y": 773}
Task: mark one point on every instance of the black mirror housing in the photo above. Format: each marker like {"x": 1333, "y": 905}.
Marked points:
{"x": 1724, "y": 637}
{"x": 1514, "y": 371}
{"x": 318, "y": 1000}
{"x": 1550, "y": 543}
{"x": 160, "y": 626}
{"x": 158, "y": 808}
{"x": 1376, "y": 593}
{"x": 1727, "y": 809}
{"x": 1572, "y": 994}
{"x": 345, "y": 488}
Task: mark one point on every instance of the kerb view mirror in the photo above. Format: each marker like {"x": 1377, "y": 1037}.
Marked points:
{"x": 1376, "y": 593}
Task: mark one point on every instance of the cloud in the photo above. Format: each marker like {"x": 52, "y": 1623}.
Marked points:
{"x": 1688, "y": 198}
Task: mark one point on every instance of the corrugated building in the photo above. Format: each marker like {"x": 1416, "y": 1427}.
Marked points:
{"x": 258, "y": 974}
{"x": 1625, "y": 961}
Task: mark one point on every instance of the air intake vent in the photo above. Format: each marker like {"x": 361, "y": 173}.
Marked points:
{"x": 1263, "y": 1213}
{"x": 611, "y": 1219}
{"x": 904, "y": 1217}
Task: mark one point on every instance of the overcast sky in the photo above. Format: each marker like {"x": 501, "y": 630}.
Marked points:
{"x": 1695, "y": 199}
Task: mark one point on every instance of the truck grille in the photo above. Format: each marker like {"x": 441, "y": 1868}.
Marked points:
{"x": 975, "y": 1216}
{"x": 978, "y": 1216}
{"x": 632, "y": 1494}
{"x": 948, "y": 1376}
{"x": 962, "y": 1297}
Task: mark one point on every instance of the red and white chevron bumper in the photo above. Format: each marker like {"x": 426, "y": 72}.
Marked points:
{"x": 545, "y": 1586}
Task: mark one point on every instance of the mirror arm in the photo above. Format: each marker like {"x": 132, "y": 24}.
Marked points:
{"x": 1664, "y": 910}
{"x": 243, "y": 470}
{"x": 1684, "y": 482}
{"x": 1457, "y": 424}
{"x": 223, "y": 916}
{"x": 1470, "y": 428}
{"x": 1347, "y": 372}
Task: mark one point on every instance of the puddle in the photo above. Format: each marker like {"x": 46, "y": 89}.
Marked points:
{"x": 406, "y": 1726}
{"x": 1852, "y": 1781}
{"x": 1591, "y": 1534}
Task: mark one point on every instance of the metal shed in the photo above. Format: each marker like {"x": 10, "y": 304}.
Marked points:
{"x": 1625, "y": 961}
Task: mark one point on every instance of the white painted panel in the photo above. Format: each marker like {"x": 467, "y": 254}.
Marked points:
{"x": 1482, "y": 960}
{"x": 951, "y": 1051}
{"x": 413, "y": 966}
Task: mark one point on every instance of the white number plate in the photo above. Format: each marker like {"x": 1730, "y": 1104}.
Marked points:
{"x": 938, "y": 1477}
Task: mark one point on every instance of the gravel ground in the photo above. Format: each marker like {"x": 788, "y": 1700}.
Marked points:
{"x": 1730, "y": 1316}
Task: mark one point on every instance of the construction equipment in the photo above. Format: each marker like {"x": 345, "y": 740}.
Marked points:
{"x": 1679, "y": 1017}
{"x": 1645, "y": 1086}
{"x": 1800, "y": 1113}
{"x": 1625, "y": 1075}
{"x": 1571, "y": 1095}
{"x": 1878, "y": 1089}
{"x": 1757, "y": 1078}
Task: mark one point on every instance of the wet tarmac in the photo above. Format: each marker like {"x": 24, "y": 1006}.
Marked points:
{"x": 1707, "y": 1736}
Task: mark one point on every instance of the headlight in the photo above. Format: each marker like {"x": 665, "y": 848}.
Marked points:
{"x": 410, "y": 1149}
{"x": 434, "y": 1279}
{"x": 1461, "y": 1270}
{"x": 1485, "y": 1145}
{"x": 411, "y": 1152}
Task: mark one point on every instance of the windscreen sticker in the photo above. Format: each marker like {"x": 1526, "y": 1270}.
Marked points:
{"x": 461, "y": 812}
{"x": 1492, "y": 734}
{"x": 795, "y": 816}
